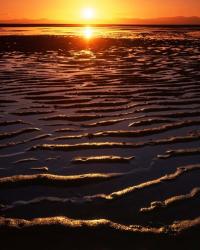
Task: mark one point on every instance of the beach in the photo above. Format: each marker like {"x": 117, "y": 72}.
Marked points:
{"x": 100, "y": 137}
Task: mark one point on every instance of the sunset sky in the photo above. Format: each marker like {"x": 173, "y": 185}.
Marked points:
{"x": 103, "y": 10}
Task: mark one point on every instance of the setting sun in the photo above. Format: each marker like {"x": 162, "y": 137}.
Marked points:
{"x": 88, "y": 13}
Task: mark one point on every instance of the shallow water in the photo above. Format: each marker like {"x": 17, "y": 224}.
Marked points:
{"x": 99, "y": 123}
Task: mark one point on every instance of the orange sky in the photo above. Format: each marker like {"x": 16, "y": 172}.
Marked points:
{"x": 105, "y": 10}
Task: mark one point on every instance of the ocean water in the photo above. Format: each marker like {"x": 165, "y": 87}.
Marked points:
{"x": 99, "y": 137}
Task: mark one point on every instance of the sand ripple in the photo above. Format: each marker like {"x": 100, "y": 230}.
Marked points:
{"x": 107, "y": 128}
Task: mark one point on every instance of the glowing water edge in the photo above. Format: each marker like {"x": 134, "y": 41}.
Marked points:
{"x": 100, "y": 137}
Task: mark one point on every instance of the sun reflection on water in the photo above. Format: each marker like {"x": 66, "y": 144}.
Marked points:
{"x": 88, "y": 32}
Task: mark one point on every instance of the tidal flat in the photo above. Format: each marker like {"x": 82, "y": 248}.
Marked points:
{"x": 100, "y": 137}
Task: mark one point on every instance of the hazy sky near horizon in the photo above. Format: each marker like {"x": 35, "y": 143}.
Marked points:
{"x": 70, "y": 10}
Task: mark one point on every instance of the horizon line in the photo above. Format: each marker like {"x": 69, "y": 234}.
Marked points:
{"x": 174, "y": 20}
{"x": 93, "y": 24}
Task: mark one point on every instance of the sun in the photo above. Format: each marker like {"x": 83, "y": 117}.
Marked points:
{"x": 88, "y": 13}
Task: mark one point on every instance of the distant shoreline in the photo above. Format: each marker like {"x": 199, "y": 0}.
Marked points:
{"x": 93, "y": 25}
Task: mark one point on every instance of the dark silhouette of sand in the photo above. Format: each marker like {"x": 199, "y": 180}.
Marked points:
{"x": 99, "y": 138}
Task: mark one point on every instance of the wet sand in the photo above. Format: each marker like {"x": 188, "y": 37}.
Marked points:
{"x": 100, "y": 138}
